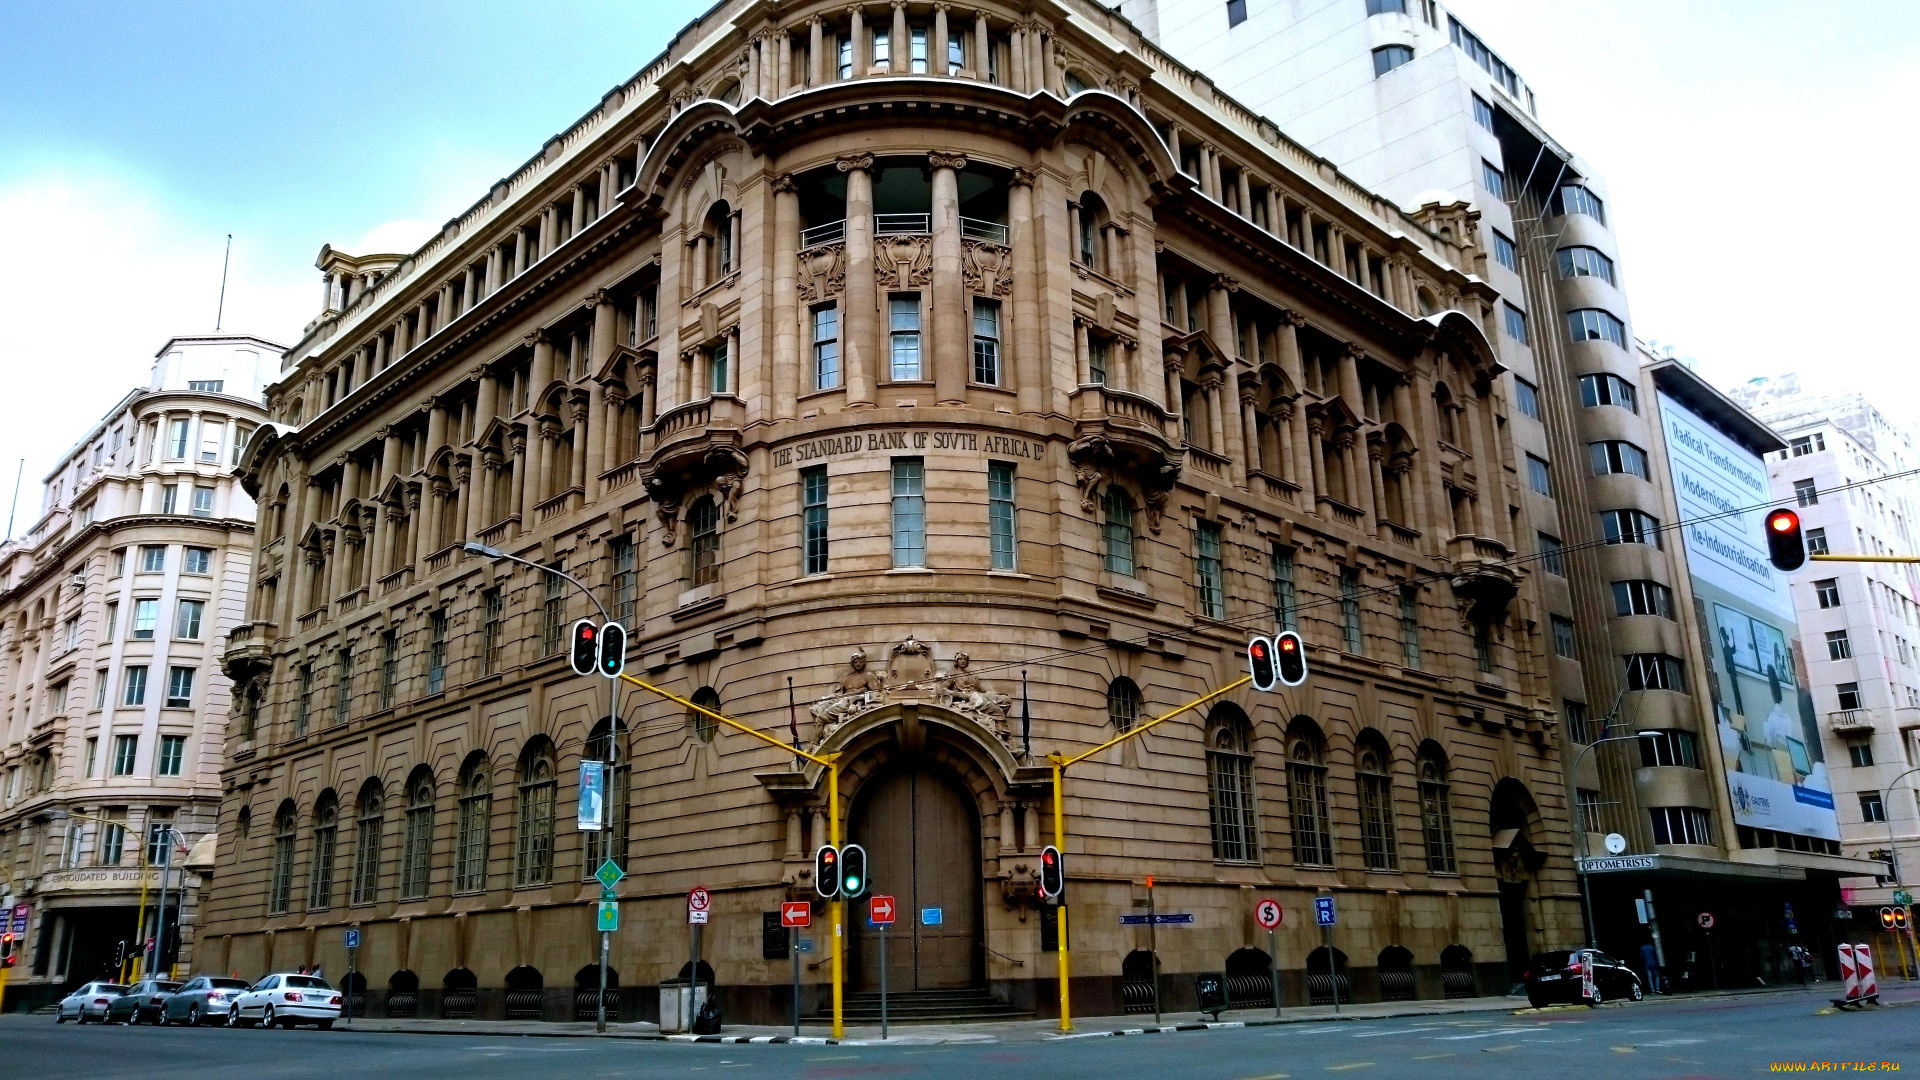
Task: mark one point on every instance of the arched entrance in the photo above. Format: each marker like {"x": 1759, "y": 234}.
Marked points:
{"x": 1512, "y": 815}
{"x": 922, "y": 835}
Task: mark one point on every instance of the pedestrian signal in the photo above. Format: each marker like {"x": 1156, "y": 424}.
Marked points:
{"x": 613, "y": 650}
{"x": 1290, "y": 658}
{"x": 1053, "y": 875}
{"x": 853, "y": 872}
{"x": 1260, "y": 662}
{"x": 826, "y": 871}
{"x": 586, "y": 647}
{"x": 1786, "y": 546}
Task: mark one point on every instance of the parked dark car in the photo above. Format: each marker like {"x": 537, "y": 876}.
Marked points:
{"x": 202, "y": 999}
{"x": 142, "y": 1002}
{"x": 1557, "y": 978}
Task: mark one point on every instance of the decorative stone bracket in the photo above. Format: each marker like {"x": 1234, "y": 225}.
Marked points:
{"x": 1100, "y": 459}
{"x": 723, "y": 467}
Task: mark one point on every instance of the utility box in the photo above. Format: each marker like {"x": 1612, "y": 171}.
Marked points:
{"x": 675, "y": 1017}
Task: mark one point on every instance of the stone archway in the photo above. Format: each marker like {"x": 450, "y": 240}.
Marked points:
{"x": 1514, "y": 819}
{"x": 921, "y": 830}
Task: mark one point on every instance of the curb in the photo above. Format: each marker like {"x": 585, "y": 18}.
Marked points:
{"x": 1163, "y": 1029}
{"x": 771, "y": 1040}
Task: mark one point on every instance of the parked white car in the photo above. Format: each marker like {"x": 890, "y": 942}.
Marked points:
{"x": 286, "y": 1000}
{"x": 89, "y": 1002}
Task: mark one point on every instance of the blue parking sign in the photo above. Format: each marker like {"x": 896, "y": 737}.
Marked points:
{"x": 353, "y": 939}
{"x": 1323, "y": 910}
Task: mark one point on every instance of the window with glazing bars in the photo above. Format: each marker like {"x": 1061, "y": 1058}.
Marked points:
{"x": 1436, "y": 819}
{"x": 909, "y": 512}
{"x": 1000, "y": 515}
{"x": 1312, "y": 829}
{"x": 416, "y": 849}
{"x": 1593, "y": 324}
{"x": 1553, "y": 558}
{"x": 1578, "y": 200}
{"x": 1209, "y": 589}
{"x": 1681, "y": 825}
{"x": 1618, "y": 456}
{"x": 476, "y": 811}
{"x": 389, "y": 666}
{"x": 493, "y": 635}
{"x": 326, "y": 827}
{"x": 986, "y": 342}
{"x": 533, "y": 849}
{"x": 1641, "y": 597}
{"x": 826, "y": 347}
{"x": 1585, "y": 262}
{"x": 1598, "y": 390}
{"x": 611, "y": 842}
{"x": 814, "y": 540}
{"x": 1285, "y": 600}
{"x": 366, "y": 851}
{"x": 620, "y": 557}
{"x": 1410, "y": 626}
{"x": 1378, "y": 850}
{"x": 342, "y": 685}
{"x": 1116, "y": 532}
{"x": 903, "y": 336}
{"x": 1350, "y": 631}
{"x": 303, "y": 704}
{"x": 1230, "y": 806}
{"x": 553, "y": 611}
{"x": 280, "y": 890}
{"x": 437, "y": 651}
{"x": 1563, "y": 644}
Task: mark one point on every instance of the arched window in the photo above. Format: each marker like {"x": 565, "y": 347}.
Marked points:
{"x": 1230, "y": 787}
{"x": 1076, "y": 83}
{"x": 326, "y": 829}
{"x": 1428, "y": 305}
{"x": 704, "y": 727}
{"x": 416, "y": 858}
{"x": 719, "y": 229}
{"x": 476, "y": 814}
{"x": 366, "y": 844}
{"x": 1123, "y": 703}
{"x": 611, "y": 842}
{"x": 1377, "y": 847}
{"x": 703, "y": 543}
{"x": 280, "y": 890}
{"x": 1090, "y": 244}
{"x": 1307, "y": 794}
{"x": 1116, "y": 531}
{"x": 1436, "y": 812}
{"x": 728, "y": 92}
{"x": 533, "y": 817}
{"x": 243, "y": 824}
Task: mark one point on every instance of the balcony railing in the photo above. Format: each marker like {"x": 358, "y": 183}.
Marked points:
{"x": 831, "y": 232}
{"x": 904, "y": 225}
{"x": 1849, "y": 720}
{"x": 901, "y": 224}
{"x": 990, "y": 231}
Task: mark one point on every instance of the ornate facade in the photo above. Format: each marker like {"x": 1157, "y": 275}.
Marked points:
{"x": 987, "y": 347}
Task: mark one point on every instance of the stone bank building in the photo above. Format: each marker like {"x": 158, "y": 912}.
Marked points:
{"x": 945, "y": 386}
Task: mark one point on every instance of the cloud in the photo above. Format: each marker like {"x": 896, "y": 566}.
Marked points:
{"x": 108, "y": 274}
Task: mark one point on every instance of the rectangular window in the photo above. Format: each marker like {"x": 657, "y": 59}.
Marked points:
{"x": 437, "y": 651}
{"x": 1350, "y": 631}
{"x": 956, "y": 54}
{"x": 813, "y": 526}
{"x": 1681, "y": 825}
{"x": 1209, "y": 593}
{"x": 1661, "y": 748}
{"x": 1816, "y": 541}
{"x": 112, "y": 843}
{"x": 1563, "y": 644}
{"x": 1285, "y": 604}
{"x": 153, "y": 558}
{"x": 1806, "y": 493}
{"x": 1580, "y": 727}
{"x": 1503, "y": 251}
{"x": 1526, "y": 397}
{"x": 1839, "y": 646}
{"x": 1553, "y": 554}
{"x": 211, "y": 386}
{"x": 1493, "y": 179}
{"x": 100, "y": 681}
{"x": 199, "y": 560}
{"x": 1642, "y": 598}
{"x": 1482, "y": 648}
{"x": 125, "y": 749}
{"x": 1807, "y": 444}
{"x": 186, "y": 622}
{"x": 118, "y": 565}
{"x": 986, "y": 342}
{"x": 1630, "y": 527}
{"x": 492, "y": 631}
{"x": 1872, "y": 809}
{"x": 173, "y": 751}
{"x": 1654, "y": 671}
{"x": 1388, "y": 57}
{"x": 625, "y": 579}
{"x": 1860, "y": 754}
{"x": 717, "y": 369}
{"x": 903, "y": 335}
{"x": 1539, "y": 476}
{"x": 135, "y": 683}
{"x": 1410, "y": 626}
{"x": 1230, "y": 802}
{"x": 1618, "y": 456}
{"x": 1098, "y": 350}
{"x": 917, "y": 50}
{"x": 826, "y": 347}
{"x": 1482, "y": 114}
{"x": 170, "y": 499}
{"x": 1307, "y": 792}
{"x": 1516, "y": 323}
{"x": 202, "y": 502}
{"x": 1237, "y": 12}
{"x": 1827, "y": 591}
{"x": 180, "y": 688}
{"x": 1585, "y": 262}
{"x": 1578, "y": 200}
{"x": 146, "y": 615}
{"x": 1000, "y": 515}
{"x": 1593, "y": 324}
{"x": 553, "y": 611}
{"x": 909, "y": 512}
{"x": 389, "y": 666}
{"x": 1386, "y": 7}
{"x": 177, "y": 438}
{"x": 1608, "y": 390}
{"x": 1849, "y": 696}
{"x": 342, "y": 685}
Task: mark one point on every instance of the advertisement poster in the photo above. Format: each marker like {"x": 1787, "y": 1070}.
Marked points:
{"x": 1769, "y": 734}
{"x": 593, "y": 795}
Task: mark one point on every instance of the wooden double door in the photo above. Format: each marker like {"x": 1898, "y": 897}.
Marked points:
{"x": 922, "y": 836}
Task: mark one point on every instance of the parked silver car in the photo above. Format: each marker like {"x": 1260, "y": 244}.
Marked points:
{"x": 202, "y": 999}
{"x": 286, "y": 1000}
{"x": 142, "y": 1001}
{"x": 88, "y": 1003}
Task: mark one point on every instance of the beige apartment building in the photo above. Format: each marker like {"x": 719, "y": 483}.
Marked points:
{"x": 941, "y": 386}
{"x": 112, "y": 609}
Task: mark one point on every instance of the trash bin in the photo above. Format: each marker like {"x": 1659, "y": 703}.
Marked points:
{"x": 674, "y": 1018}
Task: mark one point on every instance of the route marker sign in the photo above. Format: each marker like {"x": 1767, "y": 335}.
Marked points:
{"x": 1268, "y": 913}
{"x": 609, "y": 916}
{"x": 609, "y": 875}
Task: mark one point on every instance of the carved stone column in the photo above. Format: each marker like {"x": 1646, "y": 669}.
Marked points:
{"x": 861, "y": 53}
{"x": 1349, "y": 472}
{"x": 1376, "y": 484}
{"x": 579, "y": 412}
{"x": 1253, "y": 452}
{"x": 817, "y": 51}
{"x": 897, "y": 59}
{"x": 937, "y": 53}
{"x": 422, "y": 530}
{"x": 949, "y": 322}
{"x": 1025, "y": 243}
{"x": 522, "y": 496}
{"x": 859, "y": 295}
{"x": 1281, "y": 430}
{"x": 1316, "y": 472}
{"x": 600, "y": 351}
{"x": 786, "y": 303}
{"x": 1176, "y": 368}
{"x": 1212, "y": 385}
{"x": 540, "y": 373}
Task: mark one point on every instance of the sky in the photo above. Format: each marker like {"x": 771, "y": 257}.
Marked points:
{"x": 1754, "y": 152}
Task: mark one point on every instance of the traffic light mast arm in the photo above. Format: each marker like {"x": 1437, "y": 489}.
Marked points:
{"x": 1865, "y": 558}
{"x": 1062, "y": 762}
{"x": 825, "y": 762}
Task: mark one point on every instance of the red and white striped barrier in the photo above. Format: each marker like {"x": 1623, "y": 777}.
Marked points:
{"x": 1856, "y": 974}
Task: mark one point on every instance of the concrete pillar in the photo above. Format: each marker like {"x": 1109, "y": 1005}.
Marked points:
{"x": 948, "y": 320}
{"x": 937, "y": 47}
{"x": 816, "y": 50}
{"x": 541, "y": 371}
{"x": 1025, "y": 241}
{"x": 859, "y": 297}
{"x": 862, "y": 55}
{"x": 786, "y": 301}
{"x": 1216, "y": 422}
{"x": 897, "y": 44}
{"x": 982, "y": 59}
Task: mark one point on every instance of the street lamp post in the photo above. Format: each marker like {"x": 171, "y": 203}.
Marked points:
{"x": 613, "y": 728}
{"x": 1580, "y": 866}
{"x": 168, "y": 834}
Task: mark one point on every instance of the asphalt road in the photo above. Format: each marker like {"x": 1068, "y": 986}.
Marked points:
{"x": 1724, "y": 1037}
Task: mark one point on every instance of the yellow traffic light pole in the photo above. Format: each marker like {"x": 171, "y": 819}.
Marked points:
{"x": 1060, "y": 762}
{"x": 830, "y": 763}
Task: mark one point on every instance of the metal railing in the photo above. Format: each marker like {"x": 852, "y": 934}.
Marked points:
{"x": 904, "y": 225}
{"x": 901, "y": 224}
{"x": 990, "y": 231}
{"x": 831, "y": 232}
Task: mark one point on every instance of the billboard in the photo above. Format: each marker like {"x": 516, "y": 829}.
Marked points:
{"x": 1756, "y": 672}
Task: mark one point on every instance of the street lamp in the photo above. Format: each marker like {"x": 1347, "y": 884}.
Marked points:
{"x": 613, "y": 726}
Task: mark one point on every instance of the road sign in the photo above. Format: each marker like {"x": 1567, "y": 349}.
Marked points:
{"x": 1161, "y": 918}
{"x": 1323, "y": 910}
{"x": 1900, "y": 896}
{"x": 609, "y": 916}
{"x": 696, "y": 918}
{"x": 930, "y": 916}
{"x": 353, "y": 939}
{"x": 593, "y": 796}
{"x": 698, "y": 900}
{"x": 1267, "y": 913}
{"x": 609, "y": 875}
{"x": 796, "y": 913}
{"x": 21, "y": 911}
{"x": 880, "y": 910}
{"x": 1705, "y": 920}
{"x": 805, "y": 944}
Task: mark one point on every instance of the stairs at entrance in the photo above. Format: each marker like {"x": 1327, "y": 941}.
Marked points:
{"x": 928, "y": 1007}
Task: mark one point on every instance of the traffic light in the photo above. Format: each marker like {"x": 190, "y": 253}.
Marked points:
{"x": 613, "y": 650}
{"x": 1053, "y": 875}
{"x": 1260, "y": 661}
{"x": 853, "y": 872}
{"x": 586, "y": 647}
{"x": 1886, "y": 918}
{"x": 1786, "y": 547}
{"x": 826, "y": 871}
{"x": 6, "y": 950}
{"x": 1893, "y": 918}
{"x": 1290, "y": 656}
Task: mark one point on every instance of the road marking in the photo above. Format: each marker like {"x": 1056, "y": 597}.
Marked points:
{"x": 1483, "y": 1034}
{"x": 1434, "y": 1057}
{"x": 1269, "y": 1076}
{"x": 1623, "y": 1049}
{"x": 1402, "y": 1031}
{"x": 835, "y": 1057}
{"x": 1499, "y": 1049}
{"x": 1344, "y": 1068}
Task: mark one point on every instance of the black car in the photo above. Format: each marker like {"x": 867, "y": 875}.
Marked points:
{"x": 142, "y": 1001}
{"x": 1558, "y": 978}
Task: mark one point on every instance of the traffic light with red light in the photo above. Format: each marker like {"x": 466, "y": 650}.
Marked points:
{"x": 1260, "y": 662}
{"x": 6, "y": 951}
{"x": 1053, "y": 875}
{"x": 1290, "y": 658}
{"x": 586, "y": 647}
{"x": 826, "y": 871}
{"x": 853, "y": 872}
{"x": 613, "y": 650}
{"x": 1786, "y": 546}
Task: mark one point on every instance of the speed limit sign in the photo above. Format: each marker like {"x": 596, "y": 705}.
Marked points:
{"x": 1706, "y": 920}
{"x": 1268, "y": 913}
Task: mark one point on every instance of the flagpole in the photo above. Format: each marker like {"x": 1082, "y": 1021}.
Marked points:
{"x": 1026, "y": 718}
